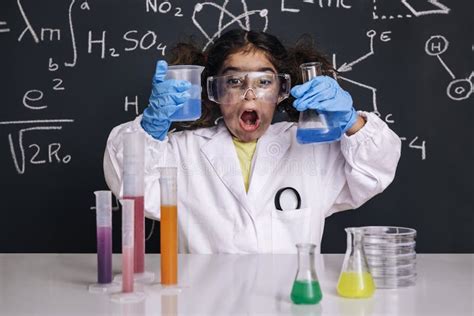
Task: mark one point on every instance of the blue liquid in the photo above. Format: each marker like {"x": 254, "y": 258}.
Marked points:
{"x": 317, "y": 135}
{"x": 190, "y": 111}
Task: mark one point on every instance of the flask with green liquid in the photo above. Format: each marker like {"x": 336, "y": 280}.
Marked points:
{"x": 306, "y": 288}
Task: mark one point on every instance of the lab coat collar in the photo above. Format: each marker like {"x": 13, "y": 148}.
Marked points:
{"x": 209, "y": 132}
{"x": 278, "y": 128}
{"x": 271, "y": 148}
{"x": 273, "y": 129}
{"x": 221, "y": 154}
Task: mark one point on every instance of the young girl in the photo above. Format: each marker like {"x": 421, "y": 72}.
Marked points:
{"x": 246, "y": 185}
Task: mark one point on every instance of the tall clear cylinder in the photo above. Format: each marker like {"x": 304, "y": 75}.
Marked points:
{"x": 128, "y": 219}
{"x": 169, "y": 226}
{"x": 103, "y": 208}
{"x": 103, "y": 203}
{"x": 128, "y": 294}
{"x": 133, "y": 189}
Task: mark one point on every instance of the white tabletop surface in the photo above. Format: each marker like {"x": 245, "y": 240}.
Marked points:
{"x": 56, "y": 284}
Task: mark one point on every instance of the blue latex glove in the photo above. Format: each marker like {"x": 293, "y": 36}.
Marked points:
{"x": 167, "y": 96}
{"x": 324, "y": 94}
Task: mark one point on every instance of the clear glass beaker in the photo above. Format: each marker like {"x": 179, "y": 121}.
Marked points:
{"x": 314, "y": 126}
{"x": 306, "y": 288}
{"x": 191, "y": 109}
{"x": 355, "y": 280}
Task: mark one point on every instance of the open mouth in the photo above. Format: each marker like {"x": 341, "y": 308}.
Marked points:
{"x": 249, "y": 120}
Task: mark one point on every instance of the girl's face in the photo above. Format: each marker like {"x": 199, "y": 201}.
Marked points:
{"x": 250, "y": 117}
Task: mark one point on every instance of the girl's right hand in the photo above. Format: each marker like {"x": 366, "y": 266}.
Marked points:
{"x": 167, "y": 96}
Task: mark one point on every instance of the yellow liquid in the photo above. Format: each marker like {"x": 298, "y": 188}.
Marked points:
{"x": 355, "y": 285}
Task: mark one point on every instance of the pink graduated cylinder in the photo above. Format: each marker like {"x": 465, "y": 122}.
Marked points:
{"x": 139, "y": 233}
{"x": 127, "y": 269}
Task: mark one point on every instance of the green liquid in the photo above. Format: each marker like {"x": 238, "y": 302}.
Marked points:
{"x": 306, "y": 292}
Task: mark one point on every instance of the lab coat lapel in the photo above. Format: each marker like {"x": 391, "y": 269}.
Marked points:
{"x": 271, "y": 147}
{"x": 221, "y": 154}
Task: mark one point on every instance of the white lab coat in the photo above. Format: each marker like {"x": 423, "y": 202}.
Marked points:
{"x": 216, "y": 215}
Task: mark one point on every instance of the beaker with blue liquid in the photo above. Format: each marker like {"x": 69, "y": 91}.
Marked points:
{"x": 315, "y": 126}
{"x": 191, "y": 109}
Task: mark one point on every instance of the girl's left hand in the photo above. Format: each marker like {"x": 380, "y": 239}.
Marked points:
{"x": 324, "y": 94}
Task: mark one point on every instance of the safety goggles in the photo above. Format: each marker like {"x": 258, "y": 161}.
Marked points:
{"x": 264, "y": 86}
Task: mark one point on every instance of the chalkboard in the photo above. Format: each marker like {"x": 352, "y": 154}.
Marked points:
{"x": 72, "y": 70}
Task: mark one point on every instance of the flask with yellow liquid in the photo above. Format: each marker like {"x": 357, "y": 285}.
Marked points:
{"x": 355, "y": 280}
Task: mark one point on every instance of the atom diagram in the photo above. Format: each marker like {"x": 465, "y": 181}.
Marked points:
{"x": 243, "y": 19}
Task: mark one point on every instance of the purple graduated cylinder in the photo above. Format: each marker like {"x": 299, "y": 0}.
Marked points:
{"x": 104, "y": 255}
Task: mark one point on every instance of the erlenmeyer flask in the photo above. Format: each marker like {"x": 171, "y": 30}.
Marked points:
{"x": 355, "y": 280}
{"x": 314, "y": 126}
{"x": 306, "y": 289}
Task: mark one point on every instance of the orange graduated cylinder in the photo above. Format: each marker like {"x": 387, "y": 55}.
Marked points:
{"x": 169, "y": 244}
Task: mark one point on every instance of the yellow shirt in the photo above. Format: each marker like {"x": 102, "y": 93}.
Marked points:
{"x": 245, "y": 153}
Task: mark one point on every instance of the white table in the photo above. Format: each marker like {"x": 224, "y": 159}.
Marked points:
{"x": 56, "y": 284}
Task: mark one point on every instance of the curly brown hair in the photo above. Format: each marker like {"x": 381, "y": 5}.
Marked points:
{"x": 283, "y": 59}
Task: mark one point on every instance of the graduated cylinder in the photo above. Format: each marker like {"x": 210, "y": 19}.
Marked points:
{"x": 133, "y": 189}
{"x": 169, "y": 226}
{"x": 104, "y": 236}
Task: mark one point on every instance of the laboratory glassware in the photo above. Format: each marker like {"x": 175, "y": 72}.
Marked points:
{"x": 391, "y": 255}
{"x": 103, "y": 207}
{"x": 128, "y": 294}
{"x": 133, "y": 189}
{"x": 169, "y": 226}
{"x": 355, "y": 280}
{"x": 306, "y": 288}
{"x": 191, "y": 109}
{"x": 314, "y": 126}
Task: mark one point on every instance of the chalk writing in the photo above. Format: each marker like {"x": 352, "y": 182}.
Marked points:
{"x": 458, "y": 89}
{"x": 17, "y": 146}
{"x": 3, "y": 28}
{"x": 136, "y": 41}
{"x": 417, "y": 9}
{"x": 134, "y": 103}
{"x": 164, "y": 8}
{"x": 346, "y": 67}
{"x": 210, "y": 19}
{"x": 343, "y": 4}
{"x": 235, "y": 19}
